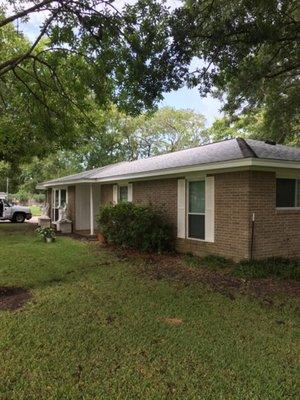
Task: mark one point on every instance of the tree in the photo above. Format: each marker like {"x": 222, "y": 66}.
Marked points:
{"x": 250, "y": 125}
{"x": 168, "y": 130}
{"x": 86, "y": 52}
{"x": 251, "y": 55}
{"x": 120, "y": 137}
{"x": 116, "y": 137}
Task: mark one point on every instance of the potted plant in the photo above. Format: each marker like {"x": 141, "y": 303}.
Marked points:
{"x": 48, "y": 234}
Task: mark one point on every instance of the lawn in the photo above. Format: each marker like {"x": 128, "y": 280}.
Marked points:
{"x": 36, "y": 211}
{"x": 98, "y": 328}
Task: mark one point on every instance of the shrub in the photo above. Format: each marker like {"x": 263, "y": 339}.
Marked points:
{"x": 39, "y": 197}
{"x": 277, "y": 267}
{"x": 21, "y": 196}
{"x": 46, "y": 232}
{"x": 135, "y": 226}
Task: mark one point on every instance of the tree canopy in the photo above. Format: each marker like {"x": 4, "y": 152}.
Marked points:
{"x": 86, "y": 53}
{"x": 115, "y": 137}
{"x": 251, "y": 57}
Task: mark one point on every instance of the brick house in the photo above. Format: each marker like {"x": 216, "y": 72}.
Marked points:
{"x": 234, "y": 198}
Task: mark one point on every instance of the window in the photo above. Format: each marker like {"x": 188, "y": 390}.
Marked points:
{"x": 123, "y": 193}
{"x": 196, "y": 210}
{"x": 287, "y": 193}
{"x": 59, "y": 200}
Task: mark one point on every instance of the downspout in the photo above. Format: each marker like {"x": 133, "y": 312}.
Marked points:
{"x": 252, "y": 236}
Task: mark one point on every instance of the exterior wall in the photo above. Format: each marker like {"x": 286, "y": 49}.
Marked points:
{"x": 49, "y": 201}
{"x": 237, "y": 196}
{"x": 82, "y": 205}
{"x": 106, "y": 194}
{"x": 231, "y": 213}
{"x": 276, "y": 232}
{"x": 232, "y": 223}
{"x": 159, "y": 193}
{"x": 71, "y": 205}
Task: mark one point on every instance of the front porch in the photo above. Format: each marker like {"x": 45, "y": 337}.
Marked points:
{"x": 83, "y": 201}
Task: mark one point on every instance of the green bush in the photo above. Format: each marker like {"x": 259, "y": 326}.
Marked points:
{"x": 277, "y": 267}
{"x": 21, "y": 196}
{"x": 135, "y": 226}
{"x": 39, "y": 197}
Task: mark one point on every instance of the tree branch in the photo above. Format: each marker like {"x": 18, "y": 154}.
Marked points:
{"x": 12, "y": 63}
{"x": 24, "y": 13}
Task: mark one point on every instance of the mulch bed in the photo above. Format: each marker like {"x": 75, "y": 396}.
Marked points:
{"x": 13, "y": 298}
{"x": 173, "y": 267}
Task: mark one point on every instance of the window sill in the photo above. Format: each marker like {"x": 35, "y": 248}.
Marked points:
{"x": 288, "y": 210}
{"x": 197, "y": 240}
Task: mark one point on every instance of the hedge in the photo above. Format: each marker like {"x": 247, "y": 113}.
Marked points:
{"x": 135, "y": 226}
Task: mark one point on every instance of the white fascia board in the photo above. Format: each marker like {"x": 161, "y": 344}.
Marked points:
{"x": 240, "y": 163}
{"x": 275, "y": 163}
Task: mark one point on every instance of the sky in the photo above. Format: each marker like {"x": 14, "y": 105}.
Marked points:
{"x": 183, "y": 98}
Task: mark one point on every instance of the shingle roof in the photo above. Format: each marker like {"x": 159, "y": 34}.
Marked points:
{"x": 227, "y": 150}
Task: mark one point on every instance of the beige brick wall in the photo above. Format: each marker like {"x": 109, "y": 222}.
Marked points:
{"x": 277, "y": 232}
{"x": 159, "y": 193}
{"x": 231, "y": 219}
{"x": 237, "y": 196}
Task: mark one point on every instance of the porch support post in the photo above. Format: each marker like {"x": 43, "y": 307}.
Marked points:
{"x": 91, "y": 210}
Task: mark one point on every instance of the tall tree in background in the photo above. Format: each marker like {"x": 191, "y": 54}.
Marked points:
{"x": 251, "y": 57}
{"x": 116, "y": 137}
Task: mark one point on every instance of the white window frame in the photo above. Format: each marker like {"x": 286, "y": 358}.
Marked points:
{"x": 117, "y": 189}
{"x": 119, "y": 193}
{"x": 297, "y": 183}
{"x": 54, "y": 207}
{"x": 188, "y": 207}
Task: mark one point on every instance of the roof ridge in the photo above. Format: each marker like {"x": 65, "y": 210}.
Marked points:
{"x": 245, "y": 148}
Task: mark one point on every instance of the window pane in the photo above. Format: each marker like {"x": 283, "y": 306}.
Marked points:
{"x": 56, "y": 198}
{"x": 197, "y": 197}
{"x": 285, "y": 192}
{"x": 123, "y": 193}
{"x": 197, "y": 226}
{"x": 298, "y": 193}
{"x": 63, "y": 197}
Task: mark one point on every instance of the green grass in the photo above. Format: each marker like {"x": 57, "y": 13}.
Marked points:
{"x": 275, "y": 267}
{"x": 36, "y": 211}
{"x": 94, "y": 330}
{"x": 213, "y": 262}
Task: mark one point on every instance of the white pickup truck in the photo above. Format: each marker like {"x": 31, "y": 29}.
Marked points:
{"x": 13, "y": 213}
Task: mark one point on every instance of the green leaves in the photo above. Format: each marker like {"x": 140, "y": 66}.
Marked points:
{"x": 135, "y": 226}
{"x": 93, "y": 54}
{"x": 251, "y": 56}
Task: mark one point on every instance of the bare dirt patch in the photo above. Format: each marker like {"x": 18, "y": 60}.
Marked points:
{"x": 171, "y": 321}
{"x": 13, "y": 298}
{"x": 173, "y": 267}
